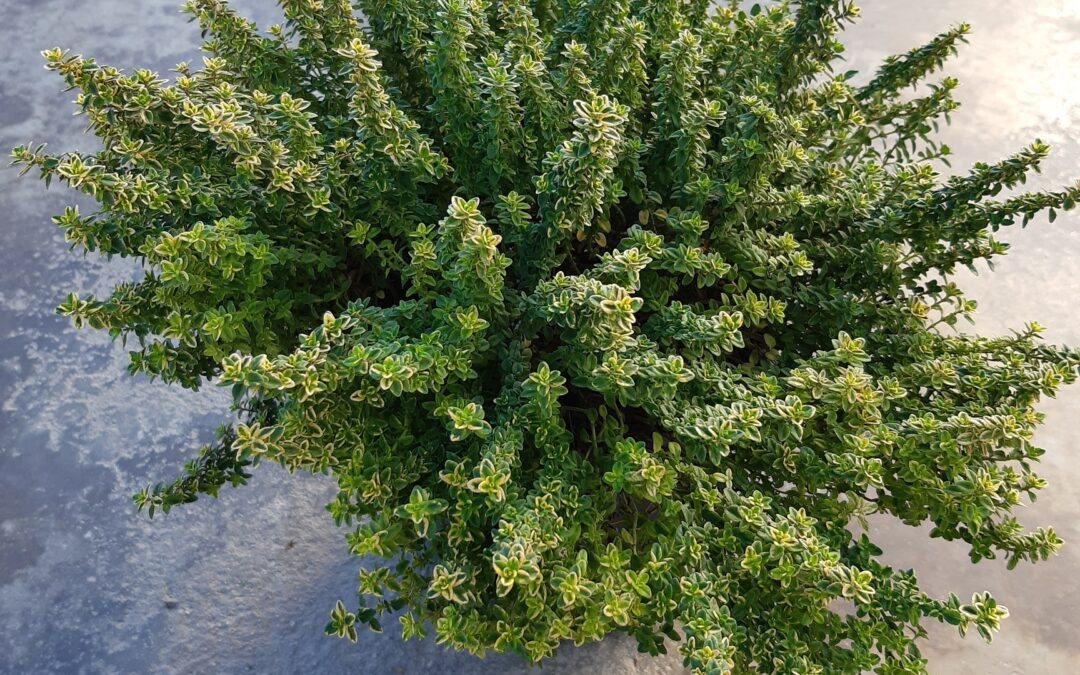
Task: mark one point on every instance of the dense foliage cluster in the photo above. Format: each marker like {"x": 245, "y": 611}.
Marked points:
{"x": 605, "y": 315}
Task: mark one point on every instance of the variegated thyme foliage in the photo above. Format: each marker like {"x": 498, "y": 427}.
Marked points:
{"x": 605, "y": 315}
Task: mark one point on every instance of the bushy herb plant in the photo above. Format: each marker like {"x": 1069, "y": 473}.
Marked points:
{"x": 605, "y": 315}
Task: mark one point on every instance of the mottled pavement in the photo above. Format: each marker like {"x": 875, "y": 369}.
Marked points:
{"x": 244, "y": 584}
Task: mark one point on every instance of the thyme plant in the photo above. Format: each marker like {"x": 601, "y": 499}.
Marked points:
{"x": 605, "y": 315}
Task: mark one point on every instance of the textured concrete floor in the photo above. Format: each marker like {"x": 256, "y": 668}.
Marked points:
{"x": 84, "y": 581}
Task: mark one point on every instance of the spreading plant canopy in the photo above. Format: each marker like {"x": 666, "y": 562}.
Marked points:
{"x": 605, "y": 315}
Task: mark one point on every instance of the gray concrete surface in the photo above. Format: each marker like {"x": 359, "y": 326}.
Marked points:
{"x": 86, "y": 584}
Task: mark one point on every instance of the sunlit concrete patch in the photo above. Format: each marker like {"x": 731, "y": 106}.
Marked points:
{"x": 244, "y": 583}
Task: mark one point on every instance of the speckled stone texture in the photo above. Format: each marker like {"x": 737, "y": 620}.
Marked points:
{"x": 244, "y": 584}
